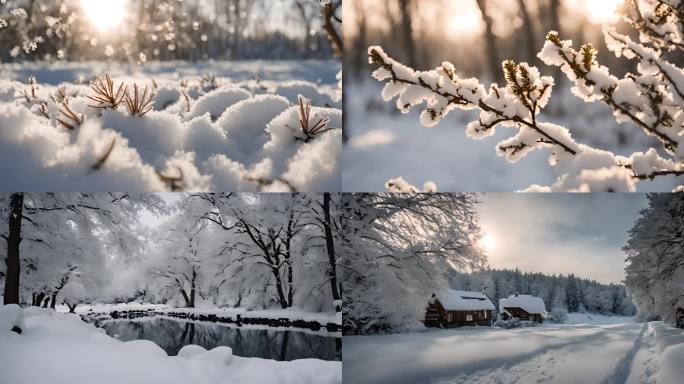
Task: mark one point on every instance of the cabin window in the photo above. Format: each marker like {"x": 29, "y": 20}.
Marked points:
{"x": 450, "y": 317}
{"x": 469, "y": 317}
{"x": 485, "y": 314}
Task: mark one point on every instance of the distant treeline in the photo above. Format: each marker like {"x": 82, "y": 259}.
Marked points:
{"x": 568, "y": 293}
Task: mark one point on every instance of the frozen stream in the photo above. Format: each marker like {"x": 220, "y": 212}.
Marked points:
{"x": 281, "y": 345}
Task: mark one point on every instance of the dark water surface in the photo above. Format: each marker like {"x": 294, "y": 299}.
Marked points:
{"x": 172, "y": 335}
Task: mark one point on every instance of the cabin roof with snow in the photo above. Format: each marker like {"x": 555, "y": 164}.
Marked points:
{"x": 453, "y": 300}
{"x": 530, "y": 304}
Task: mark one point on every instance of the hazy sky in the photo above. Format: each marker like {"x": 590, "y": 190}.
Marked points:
{"x": 152, "y": 221}
{"x": 560, "y": 233}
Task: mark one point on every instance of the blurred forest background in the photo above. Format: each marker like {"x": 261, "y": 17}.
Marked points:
{"x": 166, "y": 30}
{"x": 475, "y": 35}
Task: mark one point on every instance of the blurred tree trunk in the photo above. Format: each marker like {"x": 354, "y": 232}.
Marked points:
{"x": 530, "y": 33}
{"x": 554, "y": 10}
{"x": 359, "y": 61}
{"x": 407, "y": 32}
{"x": 13, "y": 238}
{"x": 492, "y": 51}
{"x": 329, "y": 27}
{"x": 307, "y": 22}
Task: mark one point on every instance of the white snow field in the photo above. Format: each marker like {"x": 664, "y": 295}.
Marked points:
{"x": 385, "y": 144}
{"x": 212, "y": 126}
{"x": 615, "y": 353}
{"x": 59, "y": 348}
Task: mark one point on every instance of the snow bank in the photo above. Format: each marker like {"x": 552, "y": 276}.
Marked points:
{"x": 69, "y": 351}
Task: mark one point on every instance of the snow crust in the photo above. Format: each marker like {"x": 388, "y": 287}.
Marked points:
{"x": 70, "y": 351}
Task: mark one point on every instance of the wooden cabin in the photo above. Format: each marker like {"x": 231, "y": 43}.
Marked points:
{"x": 524, "y": 307}
{"x": 457, "y": 309}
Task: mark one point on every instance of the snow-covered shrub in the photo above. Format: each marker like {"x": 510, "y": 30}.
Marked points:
{"x": 557, "y": 315}
{"x": 170, "y": 135}
{"x": 655, "y": 266}
{"x": 652, "y": 99}
{"x": 514, "y": 322}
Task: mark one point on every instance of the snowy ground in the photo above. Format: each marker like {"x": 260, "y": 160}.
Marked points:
{"x": 230, "y": 126}
{"x": 596, "y": 319}
{"x": 385, "y": 144}
{"x": 60, "y": 348}
{"x": 615, "y": 353}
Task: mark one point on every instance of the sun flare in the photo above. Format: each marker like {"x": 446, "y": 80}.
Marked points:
{"x": 104, "y": 15}
{"x": 604, "y": 11}
{"x": 465, "y": 21}
{"x": 488, "y": 243}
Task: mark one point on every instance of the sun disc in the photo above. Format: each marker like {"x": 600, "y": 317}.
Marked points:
{"x": 104, "y": 15}
{"x": 604, "y": 11}
{"x": 487, "y": 243}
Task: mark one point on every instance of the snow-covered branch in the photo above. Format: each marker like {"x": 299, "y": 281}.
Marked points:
{"x": 651, "y": 99}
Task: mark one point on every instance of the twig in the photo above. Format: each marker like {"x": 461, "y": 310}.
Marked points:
{"x": 139, "y": 105}
{"x": 187, "y": 100}
{"x": 305, "y": 118}
{"x": 105, "y": 96}
{"x": 72, "y": 120}
{"x": 100, "y": 163}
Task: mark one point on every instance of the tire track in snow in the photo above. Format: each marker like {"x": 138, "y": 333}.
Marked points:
{"x": 623, "y": 369}
{"x": 546, "y": 363}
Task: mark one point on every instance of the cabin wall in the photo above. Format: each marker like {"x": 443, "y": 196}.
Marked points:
{"x": 469, "y": 318}
{"x": 437, "y": 316}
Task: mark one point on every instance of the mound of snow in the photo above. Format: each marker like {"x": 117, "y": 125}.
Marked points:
{"x": 292, "y": 90}
{"x": 217, "y": 101}
{"x": 229, "y": 140}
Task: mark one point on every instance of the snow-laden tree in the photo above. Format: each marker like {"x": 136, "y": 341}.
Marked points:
{"x": 256, "y": 251}
{"x": 655, "y": 266}
{"x": 181, "y": 255}
{"x": 652, "y": 98}
{"x": 57, "y": 239}
{"x": 398, "y": 250}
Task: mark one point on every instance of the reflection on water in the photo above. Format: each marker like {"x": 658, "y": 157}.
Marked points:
{"x": 172, "y": 335}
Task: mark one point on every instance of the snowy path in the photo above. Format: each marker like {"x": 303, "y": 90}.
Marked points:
{"x": 564, "y": 354}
